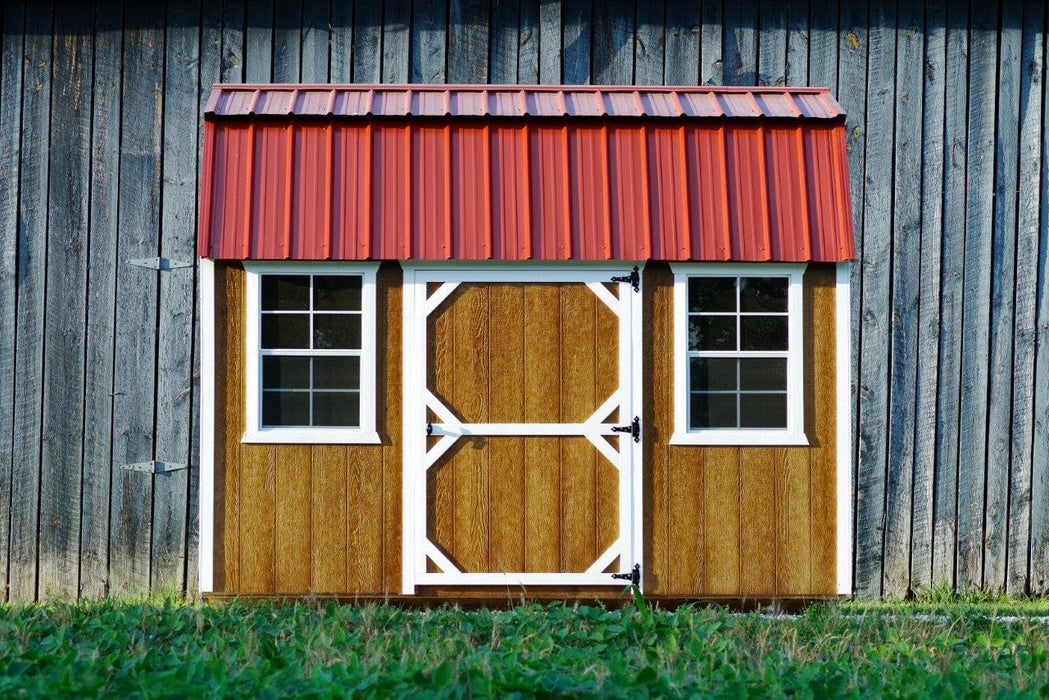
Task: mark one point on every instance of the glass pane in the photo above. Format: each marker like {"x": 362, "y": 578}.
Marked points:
{"x": 285, "y": 408}
{"x": 285, "y": 292}
{"x": 763, "y": 294}
{"x": 763, "y": 374}
{"x": 711, "y": 332}
{"x": 711, "y": 293}
{"x": 713, "y": 411}
{"x": 285, "y": 331}
{"x": 285, "y": 372}
{"x": 763, "y": 332}
{"x": 342, "y": 331}
{"x": 336, "y": 293}
{"x": 336, "y": 372}
{"x": 342, "y": 408}
{"x": 712, "y": 374}
{"x": 763, "y": 411}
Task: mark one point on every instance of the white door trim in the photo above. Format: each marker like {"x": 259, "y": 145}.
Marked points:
{"x": 417, "y": 550}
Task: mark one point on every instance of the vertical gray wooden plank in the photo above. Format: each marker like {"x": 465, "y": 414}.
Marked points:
{"x": 101, "y": 294}
{"x": 233, "y": 41}
{"x": 711, "y": 44}
{"x": 135, "y": 350}
{"x": 934, "y": 95}
{"x": 11, "y": 61}
{"x": 1040, "y": 451}
{"x": 429, "y": 42}
{"x": 684, "y": 26}
{"x": 177, "y": 242}
{"x": 956, "y": 149}
{"x": 1031, "y": 138}
{"x": 823, "y": 45}
{"x": 287, "y": 41}
{"x": 650, "y": 44}
{"x": 367, "y": 42}
{"x": 852, "y": 95}
{"x": 875, "y": 332}
{"x": 976, "y": 291}
{"x": 528, "y": 56}
{"x": 904, "y": 285}
{"x": 551, "y": 42}
{"x": 577, "y": 19}
{"x": 396, "y": 38}
{"x": 739, "y": 37}
{"x": 797, "y": 70}
{"x": 316, "y": 18}
{"x": 1003, "y": 276}
{"x": 341, "y": 69}
{"x": 258, "y": 40}
{"x": 506, "y": 42}
{"x": 772, "y": 43}
{"x": 468, "y": 28}
{"x": 612, "y": 47}
{"x": 65, "y": 300}
{"x": 29, "y": 330}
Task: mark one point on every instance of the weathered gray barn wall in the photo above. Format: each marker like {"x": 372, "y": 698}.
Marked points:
{"x": 99, "y": 157}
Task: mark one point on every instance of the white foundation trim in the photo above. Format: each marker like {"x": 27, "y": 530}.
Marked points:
{"x": 843, "y": 345}
{"x": 206, "y": 500}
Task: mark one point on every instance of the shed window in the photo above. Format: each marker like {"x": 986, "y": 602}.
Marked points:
{"x": 311, "y": 353}
{"x": 738, "y": 357}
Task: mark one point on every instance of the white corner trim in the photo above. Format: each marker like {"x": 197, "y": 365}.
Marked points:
{"x": 254, "y": 432}
{"x": 843, "y": 350}
{"x": 206, "y": 499}
{"x": 794, "y": 433}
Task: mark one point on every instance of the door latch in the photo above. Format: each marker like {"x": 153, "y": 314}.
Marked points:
{"x": 634, "y": 278}
{"x": 634, "y": 429}
{"x": 634, "y": 576}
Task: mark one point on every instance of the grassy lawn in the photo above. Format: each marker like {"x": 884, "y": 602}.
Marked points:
{"x": 261, "y": 649}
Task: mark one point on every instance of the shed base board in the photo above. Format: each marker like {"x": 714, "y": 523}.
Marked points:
{"x": 779, "y": 604}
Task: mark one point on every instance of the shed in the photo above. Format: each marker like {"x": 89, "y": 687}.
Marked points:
{"x": 449, "y": 333}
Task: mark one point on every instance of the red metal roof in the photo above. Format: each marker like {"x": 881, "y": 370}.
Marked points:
{"x": 419, "y": 172}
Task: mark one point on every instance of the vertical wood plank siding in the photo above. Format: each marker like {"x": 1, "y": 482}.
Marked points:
{"x": 99, "y": 157}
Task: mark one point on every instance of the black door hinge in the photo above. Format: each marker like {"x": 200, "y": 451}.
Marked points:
{"x": 634, "y": 575}
{"x": 634, "y": 278}
{"x": 429, "y": 428}
{"x": 634, "y": 429}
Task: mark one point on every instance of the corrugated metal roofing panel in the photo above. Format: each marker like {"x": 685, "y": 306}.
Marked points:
{"x": 467, "y": 188}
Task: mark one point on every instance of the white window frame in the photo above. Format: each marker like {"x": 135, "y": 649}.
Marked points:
{"x": 321, "y": 435}
{"x": 794, "y": 433}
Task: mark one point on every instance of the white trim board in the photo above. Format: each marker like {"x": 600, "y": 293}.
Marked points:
{"x": 417, "y": 550}
{"x": 843, "y": 414}
{"x": 206, "y": 499}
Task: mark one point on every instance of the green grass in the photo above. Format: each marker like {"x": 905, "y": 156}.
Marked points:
{"x": 165, "y": 648}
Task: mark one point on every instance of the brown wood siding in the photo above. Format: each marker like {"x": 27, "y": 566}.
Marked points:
{"x": 523, "y": 353}
{"x": 301, "y": 518}
{"x": 718, "y": 521}
{"x": 740, "y": 521}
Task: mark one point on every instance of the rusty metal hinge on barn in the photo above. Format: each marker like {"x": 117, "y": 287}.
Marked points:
{"x": 634, "y": 429}
{"x": 634, "y": 576}
{"x": 159, "y": 263}
{"x": 634, "y": 278}
{"x": 154, "y": 466}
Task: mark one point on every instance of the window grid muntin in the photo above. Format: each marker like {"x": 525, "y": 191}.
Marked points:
{"x": 310, "y": 352}
{"x": 738, "y": 353}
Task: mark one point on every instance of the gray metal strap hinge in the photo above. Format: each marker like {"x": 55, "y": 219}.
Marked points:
{"x": 154, "y": 467}
{"x": 162, "y": 264}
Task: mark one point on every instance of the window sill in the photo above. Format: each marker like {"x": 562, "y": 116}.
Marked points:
{"x": 311, "y": 436}
{"x": 740, "y": 438}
